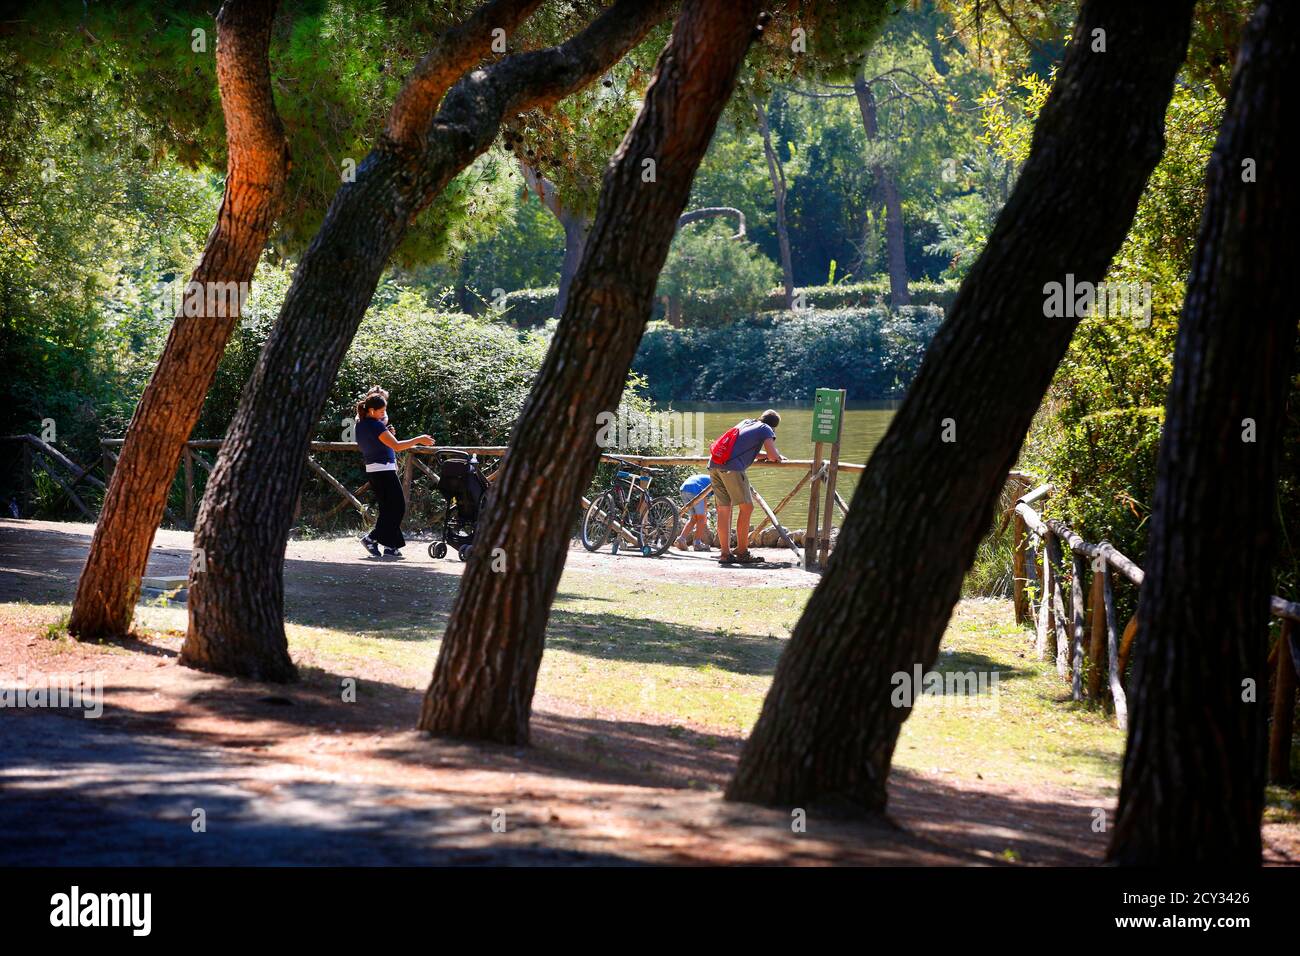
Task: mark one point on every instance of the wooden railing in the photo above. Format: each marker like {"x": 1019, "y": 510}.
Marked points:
{"x": 75, "y": 473}
{"x": 1107, "y": 648}
{"x": 410, "y": 462}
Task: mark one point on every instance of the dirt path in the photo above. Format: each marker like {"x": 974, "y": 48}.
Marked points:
{"x": 296, "y": 775}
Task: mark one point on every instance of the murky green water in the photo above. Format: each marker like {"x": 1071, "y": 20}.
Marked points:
{"x": 864, "y": 426}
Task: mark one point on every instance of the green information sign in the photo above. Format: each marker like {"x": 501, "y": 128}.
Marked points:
{"x": 828, "y": 410}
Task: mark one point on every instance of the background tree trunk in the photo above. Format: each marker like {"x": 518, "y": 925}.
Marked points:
{"x": 895, "y": 235}
{"x": 236, "y": 605}
{"x": 256, "y": 169}
{"x": 574, "y": 224}
{"x": 776, "y": 173}
{"x": 483, "y": 683}
{"x": 827, "y": 730}
{"x": 1194, "y": 769}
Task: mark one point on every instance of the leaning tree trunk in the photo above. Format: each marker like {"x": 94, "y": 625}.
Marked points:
{"x": 827, "y": 730}
{"x": 1194, "y": 769}
{"x": 895, "y": 236}
{"x": 776, "y": 174}
{"x": 483, "y": 683}
{"x": 236, "y": 604}
{"x": 256, "y": 168}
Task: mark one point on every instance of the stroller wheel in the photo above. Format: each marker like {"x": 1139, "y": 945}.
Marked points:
{"x": 438, "y": 549}
{"x": 464, "y": 551}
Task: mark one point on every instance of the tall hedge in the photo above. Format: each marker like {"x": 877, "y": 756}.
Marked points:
{"x": 783, "y": 356}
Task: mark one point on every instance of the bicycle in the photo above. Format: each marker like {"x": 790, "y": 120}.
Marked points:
{"x": 657, "y": 521}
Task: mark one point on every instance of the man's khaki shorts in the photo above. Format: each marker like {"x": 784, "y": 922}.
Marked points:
{"x": 730, "y": 488}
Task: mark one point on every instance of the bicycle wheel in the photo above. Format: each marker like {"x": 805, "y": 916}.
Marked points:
{"x": 659, "y": 526}
{"x": 597, "y": 523}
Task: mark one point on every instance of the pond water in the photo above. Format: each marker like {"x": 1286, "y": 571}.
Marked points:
{"x": 864, "y": 426}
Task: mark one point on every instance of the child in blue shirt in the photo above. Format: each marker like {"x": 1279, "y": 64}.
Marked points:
{"x": 698, "y": 525}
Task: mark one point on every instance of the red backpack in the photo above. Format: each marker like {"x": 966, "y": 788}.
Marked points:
{"x": 720, "y": 450}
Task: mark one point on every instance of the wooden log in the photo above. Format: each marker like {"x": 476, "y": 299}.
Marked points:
{"x": 1097, "y": 650}
{"x": 335, "y": 509}
{"x": 1078, "y": 564}
{"x": 1112, "y": 650}
{"x": 72, "y": 495}
{"x": 828, "y": 518}
{"x": 844, "y": 509}
{"x": 1283, "y": 726}
{"x": 810, "y": 533}
{"x": 337, "y": 486}
{"x": 1019, "y": 537}
{"x": 49, "y": 451}
{"x": 784, "y": 501}
{"x": 785, "y": 536}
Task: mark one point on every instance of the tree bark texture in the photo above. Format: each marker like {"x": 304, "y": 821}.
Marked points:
{"x": 1194, "y": 769}
{"x": 257, "y": 166}
{"x": 827, "y": 731}
{"x": 482, "y": 686}
{"x": 236, "y": 605}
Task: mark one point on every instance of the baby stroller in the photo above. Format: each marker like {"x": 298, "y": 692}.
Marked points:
{"x": 463, "y": 488}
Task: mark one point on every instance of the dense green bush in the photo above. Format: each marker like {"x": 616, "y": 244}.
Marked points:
{"x": 872, "y": 353}
{"x": 525, "y": 308}
{"x": 860, "y": 295}
{"x": 716, "y": 278}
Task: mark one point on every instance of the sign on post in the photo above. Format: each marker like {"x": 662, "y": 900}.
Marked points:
{"x": 828, "y": 412}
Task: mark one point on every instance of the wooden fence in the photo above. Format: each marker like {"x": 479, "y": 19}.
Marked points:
{"x": 816, "y": 543}
{"x": 1090, "y": 649}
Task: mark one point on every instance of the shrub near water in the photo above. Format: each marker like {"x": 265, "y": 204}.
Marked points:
{"x": 785, "y": 356}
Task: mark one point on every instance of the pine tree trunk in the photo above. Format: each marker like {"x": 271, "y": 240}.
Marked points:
{"x": 828, "y": 727}
{"x": 895, "y": 235}
{"x": 256, "y": 169}
{"x": 237, "y": 603}
{"x": 483, "y": 683}
{"x": 1194, "y": 769}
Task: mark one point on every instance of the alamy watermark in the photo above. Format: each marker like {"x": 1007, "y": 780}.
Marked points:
{"x": 627, "y": 430}
{"x": 977, "y": 690}
{"x": 39, "y": 691}
{"x": 207, "y": 299}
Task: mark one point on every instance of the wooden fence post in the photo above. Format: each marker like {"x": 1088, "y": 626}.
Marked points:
{"x": 1077, "y": 565}
{"x": 1097, "y": 649}
{"x": 810, "y": 533}
{"x": 824, "y": 543}
{"x": 1046, "y": 637}
{"x": 1112, "y": 648}
{"x": 1018, "y": 538}
{"x": 189, "y": 486}
{"x": 408, "y": 469}
{"x": 1057, "y": 608}
{"x": 1284, "y": 688}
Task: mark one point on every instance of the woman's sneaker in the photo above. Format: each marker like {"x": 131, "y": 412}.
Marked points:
{"x": 702, "y": 546}
{"x": 392, "y": 552}
{"x": 370, "y": 545}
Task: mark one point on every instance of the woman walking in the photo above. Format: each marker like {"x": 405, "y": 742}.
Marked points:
{"x": 379, "y": 450}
